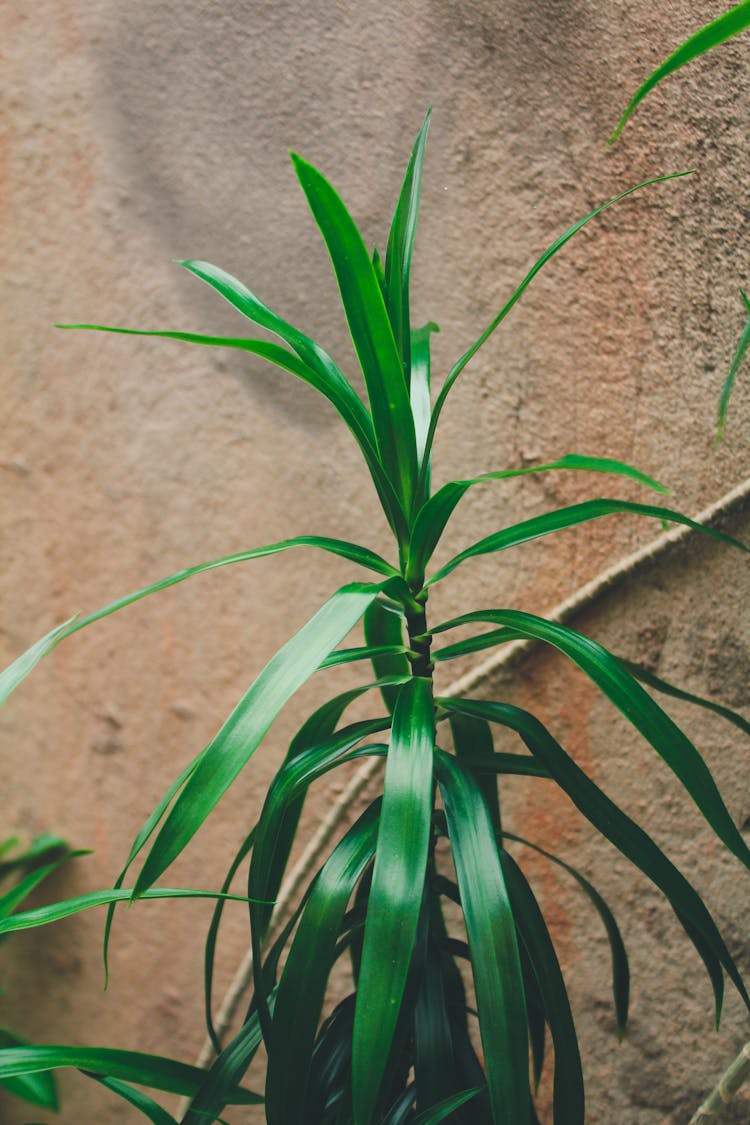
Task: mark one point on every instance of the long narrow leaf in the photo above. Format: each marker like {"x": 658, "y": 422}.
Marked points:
{"x": 39, "y": 1089}
{"x": 43, "y": 915}
{"x": 620, "y": 967}
{"x": 444, "y": 1109}
{"x": 434, "y": 515}
{"x": 562, "y": 518}
{"x": 370, "y": 330}
{"x": 385, "y": 627}
{"x": 545, "y": 257}
{"x": 568, "y": 1095}
{"x": 421, "y": 401}
{"x": 731, "y": 23}
{"x": 12, "y": 898}
{"x": 12, "y": 676}
{"x": 233, "y": 746}
{"x": 647, "y": 677}
{"x": 617, "y": 827}
{"x": 209, "y": 952}
{"x": 396, "y": 892}
{"x": 303, "y": 982}
{"x": 399, "y": 251}
{"x": 637, "y": 706}
{"x": 490, "y": 927}
{"x": 146, "y": 1070}
{"x": 226, "y": 1071}
{"x": 147, "y": 1106}
{"x": 739, "y": 355}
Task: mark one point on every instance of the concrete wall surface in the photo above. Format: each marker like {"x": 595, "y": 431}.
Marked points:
{"x": 139, "y": 133}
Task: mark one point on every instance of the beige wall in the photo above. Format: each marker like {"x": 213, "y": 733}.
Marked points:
{"x": 142, "y": 132}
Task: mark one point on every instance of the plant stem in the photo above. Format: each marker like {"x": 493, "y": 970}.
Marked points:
{"x": 419, "y": 639}
{"x": 725, "y": 1090}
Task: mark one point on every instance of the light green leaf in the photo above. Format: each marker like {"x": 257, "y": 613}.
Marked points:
{"x": 396, "y": 892}
{"x": 370, "y": 330}
{"x": 562, "y": 518}
{"x": 399, "y": 251}
{"x": 39, "y": 1089}
{"x": 731, "y": 23}
{"x": 421, "y": 401}
{"x": 12, "y": 676}
{"x": 43, "y": 915}
{"x": 233, "y": 746}
{"x": 548, "y": 253}
{"x": 739, "y": 355}
{"x": 433, "y": 517}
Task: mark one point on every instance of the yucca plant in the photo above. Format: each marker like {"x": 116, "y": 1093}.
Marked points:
{"x": 405, "y": 1045}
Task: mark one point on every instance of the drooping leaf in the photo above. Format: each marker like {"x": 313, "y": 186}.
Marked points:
{"x": 147, "y": 1106}
{"x": 728, "y": 24}
{"x": 647, "y": 677}
{"x": 38, "y": 1089}
{"x": 637, "y": 706}
{"x": 545, "y": 257}
{"x": 620, "y": 967}
{"x": 568, "y": 1094}
{"x": 13, "y": 675}
{"x": 434, "y": 515}
{"x": 739, "y": 355}
{"x": 230, "y": 750}
{"x": 627, "y": 836}
{"x": 303, "y": 983}
{"x": 12, "y": 898}
{"x": 132, "y": 1066}
{"x": 490, "y": 927}
{"x": 370, "y": 329}
{"x": 399, "y": 251}
{"x": 396, "y": 893}
{"x": 562, "y": 518}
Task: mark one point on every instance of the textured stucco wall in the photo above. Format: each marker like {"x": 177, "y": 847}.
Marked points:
{"x": 137, "y": 133}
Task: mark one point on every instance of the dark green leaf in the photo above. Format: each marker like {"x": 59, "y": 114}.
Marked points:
{"x": 303, "y": 982}
{"x": 132, "y": 1066}
{"x": 12, "y": 898}
{"x": 648, "y": 678}
{"x": 615, "y": 826}
{"x": 568, "y": 1095}
{"x": 39, "y": 1089}
{"x": 396, "y": 893}
{"x": 370, "y": 329}
{"x": 42, "y": 849}
{"x": 570, "y": 516}
{"x": 399, "y": 251}
{"x": 212, "y": 935}
{"x": 638, "y": 708}
{"x": 435, "y": 513}
{"x": 548, "y": 253}
{"x": 472, "y": 739}
{"x": 226, "y": 1071}
{"x": 731, "y": 23}
{"x": 147, "y": 1106}
{"x": 230, "y": 750}
{"x": 445, "y": 1108}
{"x": 739, "y": 355}
{"x": 491, "y": 932}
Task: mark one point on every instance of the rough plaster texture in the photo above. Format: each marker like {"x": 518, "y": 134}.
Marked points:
{"x": 137, "y": 133}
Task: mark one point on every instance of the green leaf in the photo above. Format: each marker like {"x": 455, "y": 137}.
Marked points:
{"x": 739, "y": 355}
{"x": 731, "y": 23}
{"x": 490, "y": 927}
{"x": 628, "y": 837}
{"x": 433, "y": 517}
{"x": 39, "y": 1089}
{"x": 303, "y": 983}
{"x": 638, "y": 708}
{"x": 399, "y": 251}
{"x": 41, "y": 850}
{"x": 11, "y": 899}
{"x": 43, "y": 915}
{"x": 370, "y": 330}
{"x": 226, "y": 1071}
{"x": 12, "y": 676}
{"x": 620, "y": 967}
{"x": 362, "y": 652}
{"x": 421, "y": 400}
{"x": 146, "y": 1070}
{"x": 562, "y": 518}
{"x": 384, "y": 626}
{"x": 548, "y": 253}
{"x": 396, "y": 892}
{"x": 444, "y": 1109}
{"x": 147, "y": 1106}
{"x": 233, "y": 746}
{"x": 652, "y": 681}
{"x": 472, "y": 739}
{"x": 568, "y": 1095}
